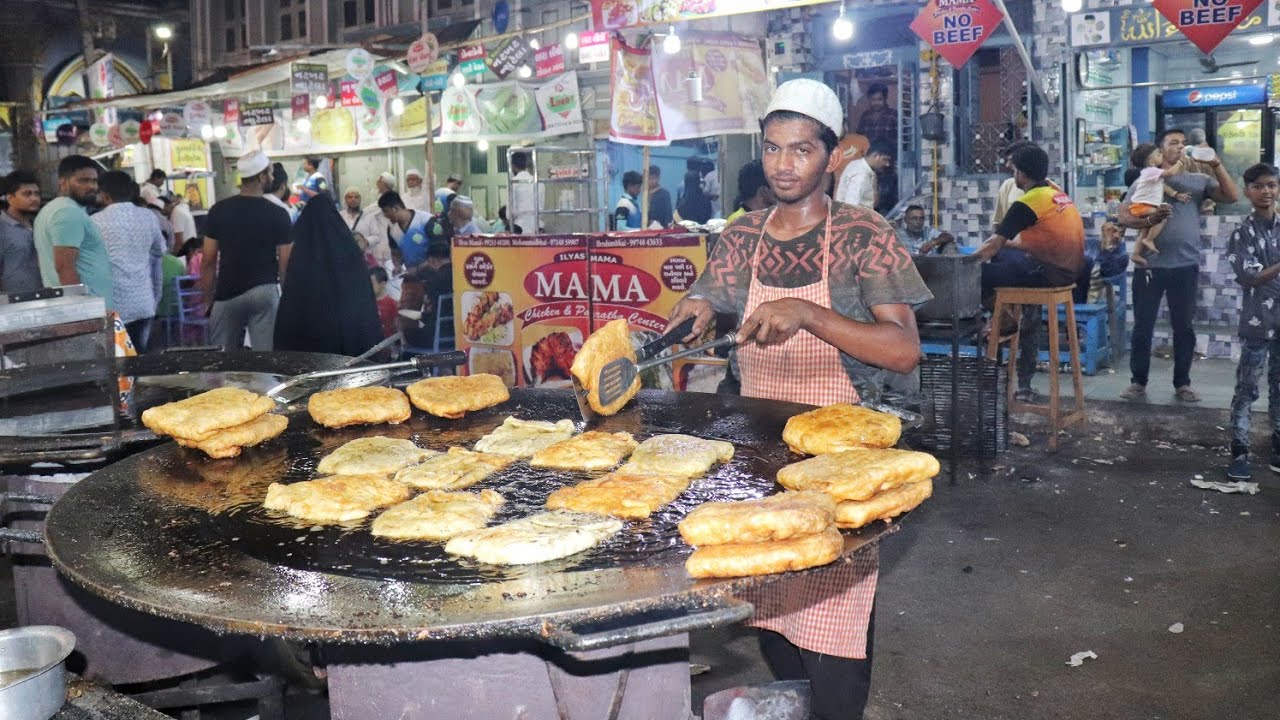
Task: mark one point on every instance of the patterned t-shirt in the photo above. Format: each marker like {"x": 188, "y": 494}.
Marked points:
{"x": 1254, "y": 247}
{"x": 869, "y": 267}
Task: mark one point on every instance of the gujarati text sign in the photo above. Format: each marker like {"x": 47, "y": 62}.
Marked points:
{"x": 1206, "y": 23}
{"x": 957, "y": 28}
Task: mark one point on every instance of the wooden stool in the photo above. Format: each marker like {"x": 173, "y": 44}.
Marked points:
{"x": 1014, "y": 298}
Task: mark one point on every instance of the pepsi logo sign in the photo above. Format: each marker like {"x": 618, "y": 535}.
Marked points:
{"x": 1195, "y": 96}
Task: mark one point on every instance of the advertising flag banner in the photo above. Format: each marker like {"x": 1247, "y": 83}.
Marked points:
{"x": 1206, "y": 23}
{"x": 593, "y": 47}
{"x": 511, "y": 110}
{"x": 231, "y": 112}
{"x": 471, "y": 61}
{"x": 619, "y": 14}
{"x": 308, "y": 78}
{"x": 508, "y": 57}
{"x": 548, "y": 61}
{"x": 301, "y": 105}
{"x": 423, "y": 52}
{"x": 254, "y": 114}
{"x": 957, "y": 28}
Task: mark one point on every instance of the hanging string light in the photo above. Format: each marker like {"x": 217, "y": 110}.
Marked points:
{"x": 1072, "y": 5}
{"x": 671, "y": 43}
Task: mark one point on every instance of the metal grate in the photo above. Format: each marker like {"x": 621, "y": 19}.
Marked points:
{"x": 989, "y": 120}
{"x": 982, "y": 426}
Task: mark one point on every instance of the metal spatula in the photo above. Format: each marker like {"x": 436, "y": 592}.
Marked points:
{"x": 673, "y": 337}
{"x": 617, "y": 376}
{"x": 421, "y": 362}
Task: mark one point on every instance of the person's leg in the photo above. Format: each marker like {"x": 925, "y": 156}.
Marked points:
{"x": 1273, "y": 400}
{"x": 1146, "y": 303}
{"x": 1180, "y": 286}
{"x": 782, "y": 657}
{"x": 139, "y": 333}
{"x": 1252, "y": 357}
{"x": 265, "y": 300}
{"x": 1029, "y": 348}
{"x": 839, "y": 687}
{"x": 225, "y": 328}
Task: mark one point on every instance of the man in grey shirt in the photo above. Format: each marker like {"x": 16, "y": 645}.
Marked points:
{"x": 1174, "y": 271}
{"x": 19, "y": 264}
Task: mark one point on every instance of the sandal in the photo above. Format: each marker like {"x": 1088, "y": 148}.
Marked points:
{"x": 1186, "y": 394}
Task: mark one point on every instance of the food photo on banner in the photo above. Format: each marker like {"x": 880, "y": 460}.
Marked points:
{"x": 512, "y": 110}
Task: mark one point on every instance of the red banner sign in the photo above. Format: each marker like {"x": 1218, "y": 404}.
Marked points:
{"x": 301, "y": 105}
{"x": 231, "y": 112}
{"x": 957, "y": 28}
{"x": 549, "y": 61}
{"x": 386, "y": 82}
{"x": 1206, "y": 23}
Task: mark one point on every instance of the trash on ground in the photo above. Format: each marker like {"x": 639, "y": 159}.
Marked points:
{"x": 1078, "y": 659}
{"x": 1019, "y": 439}
{"x": 1176, "y": 628}
{"x": 1240, "y": 486}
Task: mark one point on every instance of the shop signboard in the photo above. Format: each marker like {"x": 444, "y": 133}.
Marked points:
{"x": 957, "y": 28}
{"x": 436, "y": 76}
{"x": 619, "y": 14}
{"x": 511, "y": 110}
{"x": 231, "y": 112}
{"x": 359, "y": 63}
{"x": 172, "y": 124}
{"x": 1206, "y": 23}
{"x": 308, "y": 79}
{"x": 509, "y": 56}
{"x": 385, "y": 81}
{"x": 548, "y": 61}
{"x": 349, "y": 94}
{"x": 593, "y": 47}
{"x": 1142, "y": 24}
{"x": 1221, "y": 96}
{"x": 471, "y": 61}
{"x": 423, "y": 52}
{"x": 252, "y": 114}
{"x": 188, "y": 154}
{"x": 301, "y": 106}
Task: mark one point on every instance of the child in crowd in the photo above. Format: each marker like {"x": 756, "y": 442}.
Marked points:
{"x": 1254, "y": 253}
{"x": 1149, "y": 192}
{"x": 388, "y": 308}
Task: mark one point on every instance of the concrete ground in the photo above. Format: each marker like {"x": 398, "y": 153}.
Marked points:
{"x": 1213, "y": 379}
{"x": 997, "y": 580}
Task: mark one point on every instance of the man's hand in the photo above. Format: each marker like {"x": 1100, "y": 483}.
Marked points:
{"x": 987, "y": 251}
{"x": 776, "y": 322}
{"x": 694, "y": 307}
{"x": 1183, "y": 197}
{"x": 1160, "y": 214}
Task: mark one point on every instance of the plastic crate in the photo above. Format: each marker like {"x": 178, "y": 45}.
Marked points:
{"x": 982, "y": 427}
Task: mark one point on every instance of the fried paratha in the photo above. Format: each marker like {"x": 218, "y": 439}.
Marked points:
{"x": 228, "y": 443}
{"x": 632, "y": 497}
{"x": 373, "y": 456}
{"x": 437, "y": 515}
{"x": 454, "y": 470}
{"x": 452, "y": 396}
{"x": 336, "y": 499}
{"x": 359, "y": 406}
{"x": 199, "y": 417}
{"x": 841, "y": 427}
{"x": 537, "y": 538}
{"x": 609, "y": 343}
{"x": 859, "y": 474}
{"x": 524, "y": 438}
{"x": 592, "y": 450}
{"x": 777, "y": 517}
{"x": 677, "y": 455}
{"x": 883, "y": 506}
{"x": 743, "y": 559}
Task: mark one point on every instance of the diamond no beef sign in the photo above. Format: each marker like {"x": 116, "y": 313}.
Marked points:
{"x": 957, "y": 28}
{"x": 1206, "y": 22}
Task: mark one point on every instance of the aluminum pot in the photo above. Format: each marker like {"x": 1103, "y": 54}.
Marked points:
{"x": 31, "y": 663}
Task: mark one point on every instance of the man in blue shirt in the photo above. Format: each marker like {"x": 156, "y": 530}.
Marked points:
{"x": 135, "y": 243}
{"x": 316, "y": 182}
{"x": 19, "y": 266}
{"x": 626, "y": 213}
{"x": 71, "y": 250}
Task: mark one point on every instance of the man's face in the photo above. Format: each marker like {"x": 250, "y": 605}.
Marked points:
{"x": 382, "y": 186}
{"x": 633, "y": 190}
{"x": 81, "y": 186}
{"x": 413, "y": 181}
{"x": 25, "y": 200}
{"x": 460, "y": 215}
{"x": 353, "y": 200}
{"x": 795, "y": 160}
{"x": 392, "y": 213}
{"x": 306, "y": 165}
{"x": 879, "y": 162}
{"x": 1262, "y": 192}
{"x": 914, "y": 221}
{"x": 1173, "y": 145}
{"x": 655, "y": 181}
{"x": 454, "y": 185}
{"x": 878, "y": 100}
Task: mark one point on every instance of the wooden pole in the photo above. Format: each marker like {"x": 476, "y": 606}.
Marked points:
{"x": 933, "y": 81}
{"x": 430, "y": 179}
{"x": 644, "y": 190}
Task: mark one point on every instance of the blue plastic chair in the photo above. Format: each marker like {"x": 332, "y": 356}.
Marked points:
{"x": 190, "y": 308}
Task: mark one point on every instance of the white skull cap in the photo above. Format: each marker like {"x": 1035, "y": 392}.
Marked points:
{"x": 388, "y": 178}
{"x": 252, "y": 163}
{"x": 413, "y": 173}
{"x": 810, "y": 98}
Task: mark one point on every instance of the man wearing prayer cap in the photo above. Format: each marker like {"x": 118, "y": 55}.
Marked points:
{"x": 415, "y": 194}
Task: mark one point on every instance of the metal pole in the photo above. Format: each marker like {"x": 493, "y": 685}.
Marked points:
{"x": 430, "y": 179}
{"x": 644, "y": 190}
{"x": 1033, "y": 76}
{"x": 168, "y": 55}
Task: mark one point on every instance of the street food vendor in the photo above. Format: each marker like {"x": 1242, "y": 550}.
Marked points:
{"x": 826, "y": 290}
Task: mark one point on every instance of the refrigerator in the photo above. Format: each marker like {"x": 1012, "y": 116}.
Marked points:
{"x": 1236, "y": 120}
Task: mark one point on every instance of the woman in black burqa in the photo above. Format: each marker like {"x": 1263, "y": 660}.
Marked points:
{"x": 327, "y": 304}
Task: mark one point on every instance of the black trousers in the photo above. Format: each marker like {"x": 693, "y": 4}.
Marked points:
{"x": 140, "y": 333}
{"x": 839, "y": 687}
{"x": 1179, "y": 285}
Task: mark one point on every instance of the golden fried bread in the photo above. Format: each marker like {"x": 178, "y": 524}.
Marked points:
{"x": 592, "y": 450}
{"x": 227, "y": 443}
{"x": 524, "y": 438}
{"x": 359, "y": 406}
{"x": 199, "y": 417}
{"x": 454, "y": 470}
{"x": 859, "y": 474}
{"x": 437, "y": 515}
{"x": 632, "y": 497}
{"x": 537, "y": 538}
{"x": 609, "y": 343}
{"x": 452, "y": 396}
{"x": 777, "y": 517}
{"x": 742, "y": 559}
{"x": 677, "y": 455}
{"x": 851, "y": 514}
{"x": 841, "y": 427}
{"x": 336, "y": 499}
{"x": 373, "y": 456}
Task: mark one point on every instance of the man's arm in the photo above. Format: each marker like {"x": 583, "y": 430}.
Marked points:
{"x": 1130, "y": 220}
{"x": 64, "y": 261}
{"x": 157, "y": 264}
{"x": 891, "y": 342}
{"x": 1247, "y": 264}
{"x": 282, "y": 253}
{"x": 1226, "y": 192}
{"x": 1174, "y": 169}
{"x": 208, "y": 269}
{"x": 1019, "y": 218}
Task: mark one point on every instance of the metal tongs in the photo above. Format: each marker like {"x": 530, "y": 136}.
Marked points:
{"x": 617, "y": 376}
{"x": 421, "y": 362}
{"x": 673, "y": 337}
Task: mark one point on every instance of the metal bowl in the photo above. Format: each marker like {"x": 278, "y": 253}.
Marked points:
{"x": 33, "y": 679}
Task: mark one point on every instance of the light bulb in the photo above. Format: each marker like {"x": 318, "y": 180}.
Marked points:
{"x": 1263, "y": 39}
{"x": 206, "y": 132}
{"x": 459, "y": 80}
{"x": 482, "y": 145}
{"x": 220, "y": 132}
{"x": 322, "y": 101}
{"x": 533, "y": 43}
{"x": 1072, "y": 5}
{"x": 524, "y": 71}
{"x": 304, "y": 125}
{"x": 671, "y": 43}
{"x": 163, "y": 32}
{"x": 842, "y": 29}
{"x": 397, "y": 107}
{"x": 571, "y": 41}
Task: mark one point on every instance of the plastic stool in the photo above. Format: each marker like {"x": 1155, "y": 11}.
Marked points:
{"x": 1014, "y": 298}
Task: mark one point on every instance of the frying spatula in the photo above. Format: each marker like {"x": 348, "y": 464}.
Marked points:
{"x": 673, "y": 337}
{"x": 617, "y": 376}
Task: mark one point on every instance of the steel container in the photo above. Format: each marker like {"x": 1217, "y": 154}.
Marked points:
{"x": 41, "y": 649}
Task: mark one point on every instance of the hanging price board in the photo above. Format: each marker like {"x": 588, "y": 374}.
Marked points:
{"x": 308, "y": 78}
{"x": 957, "y": 28}
{"x": 252, "y": 114}
{"x": 1206, "y": 23}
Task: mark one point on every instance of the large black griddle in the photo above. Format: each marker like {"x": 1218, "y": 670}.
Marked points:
{"x": 176, "y": 534}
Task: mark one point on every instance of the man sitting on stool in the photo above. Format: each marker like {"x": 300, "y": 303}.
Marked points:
{"x": 1040, "y": 243}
